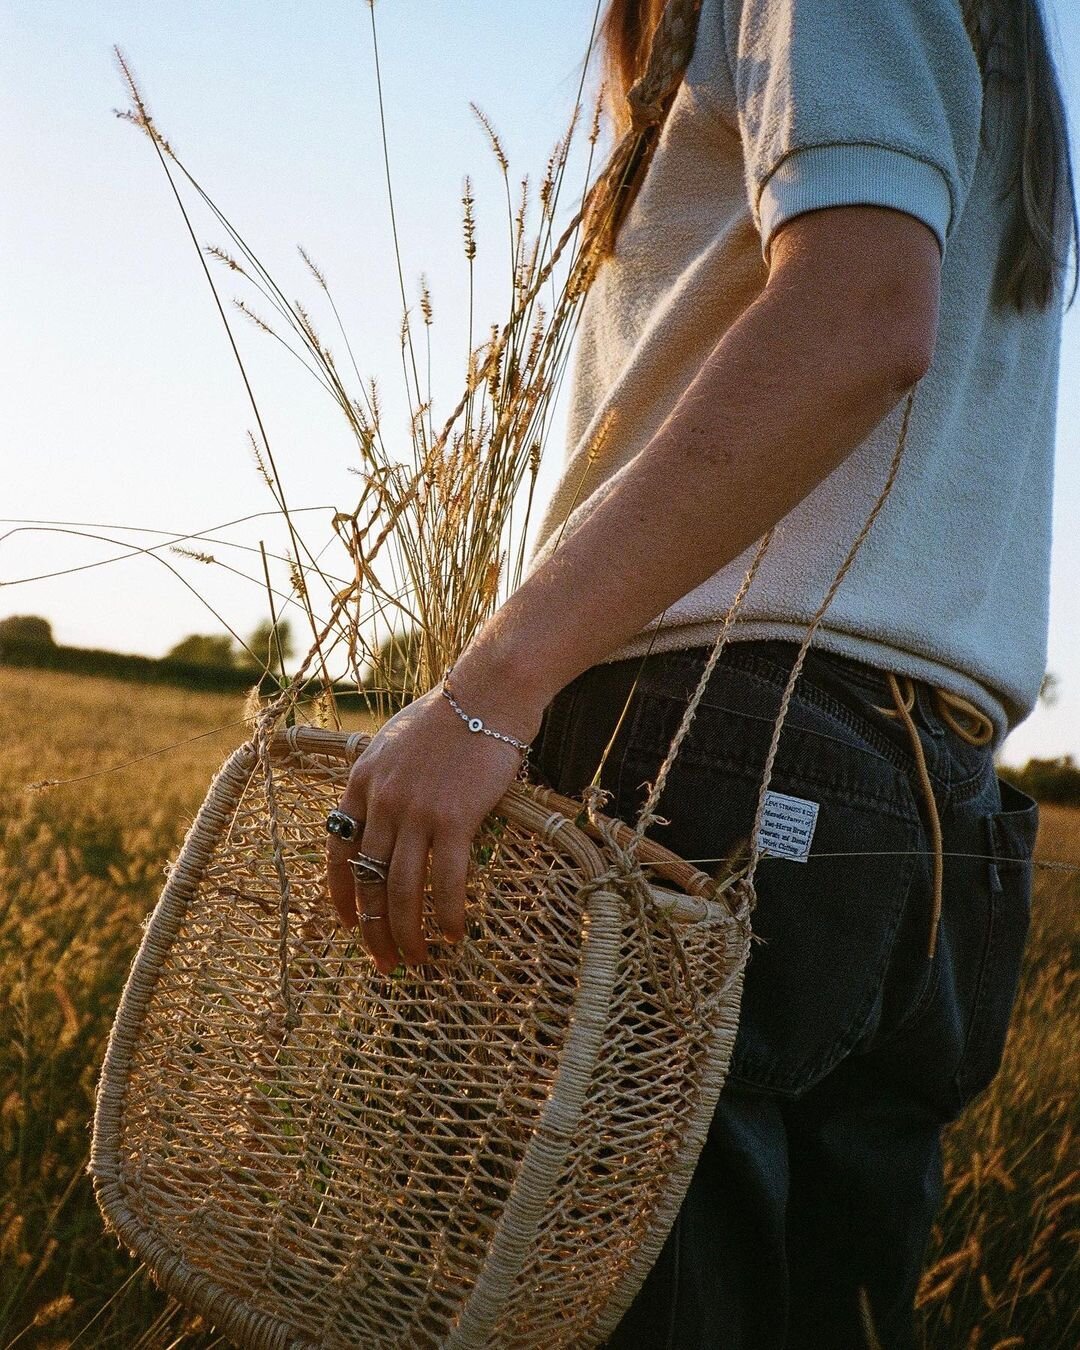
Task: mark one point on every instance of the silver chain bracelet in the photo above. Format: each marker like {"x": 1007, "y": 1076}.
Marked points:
{"x": 476, "y": 724}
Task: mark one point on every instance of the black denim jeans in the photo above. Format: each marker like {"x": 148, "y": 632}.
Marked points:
{"x": 810, "y": 1208}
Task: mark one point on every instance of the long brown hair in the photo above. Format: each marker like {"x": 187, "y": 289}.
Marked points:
{"x": 1010, "y": 42}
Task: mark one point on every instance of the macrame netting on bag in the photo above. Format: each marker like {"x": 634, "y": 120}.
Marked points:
{"x": 489, "y": 1152}
{"x": 482, "y": 1155}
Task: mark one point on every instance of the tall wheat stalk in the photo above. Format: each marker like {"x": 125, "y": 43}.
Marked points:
{"x": 437, "y": 537}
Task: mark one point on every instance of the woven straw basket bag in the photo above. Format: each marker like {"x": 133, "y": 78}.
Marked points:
{"x": 487, "y": 1153}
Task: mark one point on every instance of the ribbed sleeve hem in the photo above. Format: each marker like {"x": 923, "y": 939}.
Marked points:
{"x": 854, "y": 175}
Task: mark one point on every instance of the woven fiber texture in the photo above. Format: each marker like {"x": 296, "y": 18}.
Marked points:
{"x": 488, "y": 1152}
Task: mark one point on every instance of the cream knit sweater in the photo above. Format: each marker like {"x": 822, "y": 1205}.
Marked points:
{"x": 788, "y": 106}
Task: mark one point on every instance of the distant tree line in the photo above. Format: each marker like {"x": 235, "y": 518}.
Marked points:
{"x": 1048, "y": 780}
{"x": 211, "y": 662}
{"x": 269, "y": 646}
{"x": 216, "y": 662}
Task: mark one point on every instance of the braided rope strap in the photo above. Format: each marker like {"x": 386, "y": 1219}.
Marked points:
{"x": 624, "y": 876}
{"x": 626, "y": 869}
{"x": 815, "y": 623}
{"x": 262, "y": 735}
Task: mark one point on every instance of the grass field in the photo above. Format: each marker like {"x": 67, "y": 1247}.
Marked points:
{"x": 81, "y": 865}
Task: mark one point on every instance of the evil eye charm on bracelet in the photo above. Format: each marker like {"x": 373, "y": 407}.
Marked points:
{"x": 476, "y": 724}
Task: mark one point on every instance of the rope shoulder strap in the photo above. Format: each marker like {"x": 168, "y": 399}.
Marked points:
{"x": 647, "y": 814}
{"x": 650, "y": 98}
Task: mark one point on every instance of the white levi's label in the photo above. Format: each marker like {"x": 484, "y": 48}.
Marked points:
{"x": 787, "y": 827}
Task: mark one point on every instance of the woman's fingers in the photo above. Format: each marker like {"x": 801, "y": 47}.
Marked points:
{"x": 405, "y": 891}
{"x": 339, "y": 879}
{"x": 372, "y": 894}
{"x": 449, "y": 873}
{"x": 403, "y": 817}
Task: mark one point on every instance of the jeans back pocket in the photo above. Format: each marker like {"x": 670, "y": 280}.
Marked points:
{"x": 824, "y": 928}
{"x": 1012, "y": 832}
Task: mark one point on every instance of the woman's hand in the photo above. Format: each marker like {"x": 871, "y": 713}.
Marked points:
{"x": 423, "y": 786}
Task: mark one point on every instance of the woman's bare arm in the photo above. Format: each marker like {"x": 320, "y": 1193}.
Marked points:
{"x": 845, "y": 325}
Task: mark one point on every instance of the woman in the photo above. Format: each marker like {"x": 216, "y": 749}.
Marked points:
{"x": 845, "y": 201}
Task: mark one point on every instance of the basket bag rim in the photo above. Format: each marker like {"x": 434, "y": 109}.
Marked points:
{"x": 542, "y": 810}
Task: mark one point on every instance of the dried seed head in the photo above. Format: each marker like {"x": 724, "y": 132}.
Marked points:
{"x": 467, "y": 201}
{"x": 194, "y": 554}
{"x": 59, "y": 1307}
{"x": 594, "y": 130}
{"x": 536, "y": 340}
{"x": 222, "y": 256}
{"x": 489, "y": 587}
{"x": 417, "y": 420}
{"x": 253, "y": 704}
{"x": 307, "y": 325}
{"x": 519, "y": 219}
{"x": 140, "y": 115}
{"x": 255, "y": 319}
{"x": 496, "y": 145}
{"x": 314, "y": 270}
{"x": 322, "y": 708}
{"x": 296, "y": 575}
{"x": 600, "y": 436}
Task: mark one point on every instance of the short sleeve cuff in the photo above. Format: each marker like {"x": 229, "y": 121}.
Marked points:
{"x": 854, "y": 175}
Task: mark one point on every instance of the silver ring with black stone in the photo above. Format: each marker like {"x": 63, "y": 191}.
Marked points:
{"x": 342, "y": 825}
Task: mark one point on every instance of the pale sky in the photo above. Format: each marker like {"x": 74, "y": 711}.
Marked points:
{"x": 123, "y": 405}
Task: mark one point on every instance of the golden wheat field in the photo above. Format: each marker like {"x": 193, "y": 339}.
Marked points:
{"x": 81, "y": 865}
